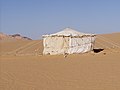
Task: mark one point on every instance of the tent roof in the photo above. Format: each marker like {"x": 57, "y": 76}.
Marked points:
{"x": 69, "y": 32}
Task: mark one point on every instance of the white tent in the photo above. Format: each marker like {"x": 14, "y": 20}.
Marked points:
{"x": 68, "y": 41}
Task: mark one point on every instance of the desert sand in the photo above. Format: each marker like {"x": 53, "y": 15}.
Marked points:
{"x": 23, "y": 67}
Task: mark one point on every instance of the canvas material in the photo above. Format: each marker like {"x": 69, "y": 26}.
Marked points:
{"x": 81, "y": 45}
{"x": 62, "y": 45}
{"x": 56, "y": 45}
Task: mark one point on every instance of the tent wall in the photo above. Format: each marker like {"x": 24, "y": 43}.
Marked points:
{"x": 81, "y": 45}
{"x": 70, "y": 45}
{"x": 56, "y": 45}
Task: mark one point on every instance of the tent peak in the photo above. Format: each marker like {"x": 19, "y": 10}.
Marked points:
{"x": 70, "y": 32}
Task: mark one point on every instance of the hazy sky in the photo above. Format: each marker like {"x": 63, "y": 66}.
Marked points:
{"x": 33, "y": 18}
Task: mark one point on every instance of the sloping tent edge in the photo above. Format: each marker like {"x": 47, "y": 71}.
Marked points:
{"x": 68, "y": 32}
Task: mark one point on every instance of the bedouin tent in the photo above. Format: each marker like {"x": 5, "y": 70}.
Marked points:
{"x": 68, "y": 41}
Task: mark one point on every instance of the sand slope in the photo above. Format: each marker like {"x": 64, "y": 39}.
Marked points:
{"x": 108, "y": 40}
{"x": 32, "y": 71}
{"x": 21, "y": 47}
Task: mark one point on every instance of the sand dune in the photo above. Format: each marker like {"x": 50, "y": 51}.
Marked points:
{"x": 23, "y": 67}
{"x": 108, "y": 40}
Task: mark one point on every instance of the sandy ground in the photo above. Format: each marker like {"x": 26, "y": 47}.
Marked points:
{"x": 23, "y": 67}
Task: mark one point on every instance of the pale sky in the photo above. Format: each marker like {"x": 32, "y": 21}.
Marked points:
{"x": 34, "y": 18}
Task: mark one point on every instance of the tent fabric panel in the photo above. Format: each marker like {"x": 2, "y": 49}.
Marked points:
{"x": 55, "y": 45}
{"x": 81, "y": 45}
